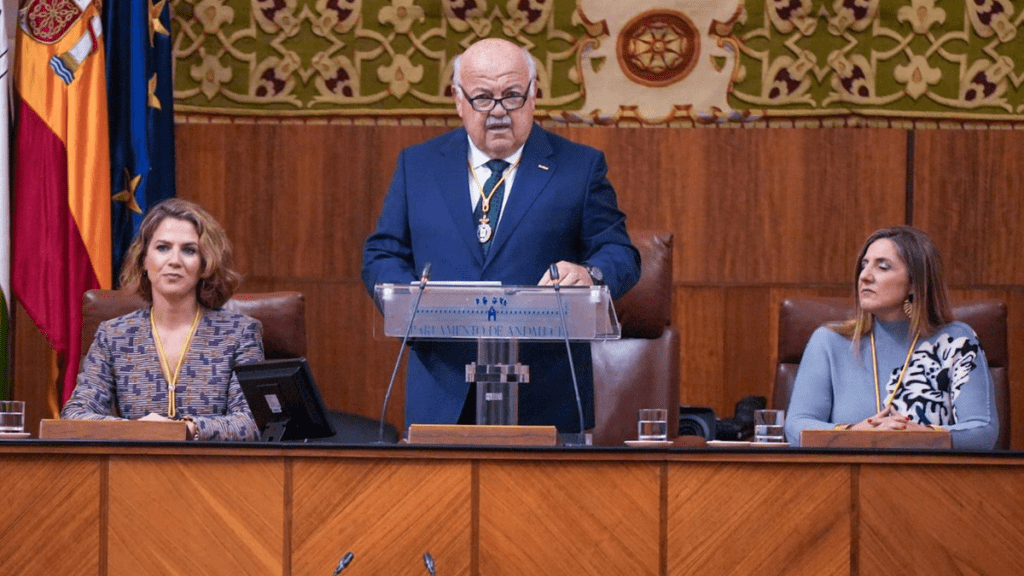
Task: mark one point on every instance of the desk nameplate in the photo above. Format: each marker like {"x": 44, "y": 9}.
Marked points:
{"x": 880, "y": 439}
{"x": 449, "y": 434}
{"x": 112, "y": 430}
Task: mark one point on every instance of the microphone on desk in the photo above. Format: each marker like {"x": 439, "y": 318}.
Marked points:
{"x": 343, "y": 563}
{"x": 424, "y": 278}
{"x": 428, "y": 561}
{"x": 555, "y": 281}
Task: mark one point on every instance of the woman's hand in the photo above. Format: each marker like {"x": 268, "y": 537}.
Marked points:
{"x": 154, "y": 417}
{"x": 887, "y": 419}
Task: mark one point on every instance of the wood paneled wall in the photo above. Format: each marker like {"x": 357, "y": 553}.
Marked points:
{"x": 758, "y": 215}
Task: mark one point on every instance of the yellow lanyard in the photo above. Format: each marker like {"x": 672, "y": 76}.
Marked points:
{"x": 485, "y": 199}
{"x": 906, "y": 363}
{"x": 172, "y": 377}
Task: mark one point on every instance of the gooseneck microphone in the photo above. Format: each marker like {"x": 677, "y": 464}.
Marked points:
{"x": 343, "y": 563}
{"x": 424, "y": 278}
{"x": 555, "y": 281}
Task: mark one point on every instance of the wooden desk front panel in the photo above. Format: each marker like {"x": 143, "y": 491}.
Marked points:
{"x": 759, "y": 519}
{"x": 589, "y": 518}
{"x": 387, "y": 512}
{"x": 180, "y": 510}
{"x": 941, "y": 520}
{"x": 50, "y": 516}
{"x": 195, "y": 515}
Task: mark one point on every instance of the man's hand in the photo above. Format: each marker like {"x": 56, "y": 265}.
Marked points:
{"x": 569, "y": 275}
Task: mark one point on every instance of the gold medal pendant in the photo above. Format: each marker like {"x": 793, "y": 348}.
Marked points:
{"x": 483, "y": 231}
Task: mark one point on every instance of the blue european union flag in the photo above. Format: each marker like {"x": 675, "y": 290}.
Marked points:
{"x": 141, "y": 112}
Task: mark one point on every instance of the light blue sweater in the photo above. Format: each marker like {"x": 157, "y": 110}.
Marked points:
{"x": 947, "y": 382}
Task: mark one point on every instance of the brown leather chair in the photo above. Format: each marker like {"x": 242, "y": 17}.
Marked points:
{"x": 642, "y": 369}
{"x": 283, "y": 315}
{"x": 798, "y": 318}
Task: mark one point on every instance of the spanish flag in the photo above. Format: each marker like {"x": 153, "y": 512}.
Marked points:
{"x": 61, "y": 202}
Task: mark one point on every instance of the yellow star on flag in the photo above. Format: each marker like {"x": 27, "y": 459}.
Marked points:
{"x": 151, "y": 91}
{"x": 155, "y": 25}
{"x": 128, "y": 194}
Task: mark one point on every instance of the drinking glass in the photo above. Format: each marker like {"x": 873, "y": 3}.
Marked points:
{"x": 12, "y": 416}
{"x": 652, "y": 425}
{"x": 769, "y": 425}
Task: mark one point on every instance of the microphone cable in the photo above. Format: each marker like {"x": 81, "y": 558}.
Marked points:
{"x": 424, "y": 278}
{"x": 556, "y": 282}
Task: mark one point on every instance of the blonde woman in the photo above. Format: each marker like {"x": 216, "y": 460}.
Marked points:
{"x": 175, "y": 359}
{"x": 901, "y": 363}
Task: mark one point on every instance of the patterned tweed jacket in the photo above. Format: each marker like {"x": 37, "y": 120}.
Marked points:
{"x": 121, "y": 376}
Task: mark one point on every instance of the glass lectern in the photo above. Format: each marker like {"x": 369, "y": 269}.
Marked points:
{"x": 497, "y": 318}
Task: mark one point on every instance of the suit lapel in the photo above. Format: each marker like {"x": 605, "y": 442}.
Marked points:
{"x": 453, "y": 182}
{"x": 530, "y": 181}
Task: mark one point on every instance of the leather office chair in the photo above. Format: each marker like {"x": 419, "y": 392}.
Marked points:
{"x": 642, "y": 369}
{"x": 283, "y": 315}
{"x": 798, "y": 318}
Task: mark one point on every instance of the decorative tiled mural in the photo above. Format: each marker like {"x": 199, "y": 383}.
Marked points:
{"x": 925, "y": 63}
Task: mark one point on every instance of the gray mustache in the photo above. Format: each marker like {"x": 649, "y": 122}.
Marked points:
{"x": 493, "y": 122}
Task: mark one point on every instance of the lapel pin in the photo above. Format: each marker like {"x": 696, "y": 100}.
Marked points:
{"x": 542, "y": 167}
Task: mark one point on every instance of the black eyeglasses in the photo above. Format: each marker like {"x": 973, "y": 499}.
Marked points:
{"x": 487, "y": 103}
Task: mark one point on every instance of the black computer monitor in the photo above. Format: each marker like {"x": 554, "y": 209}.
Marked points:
{"x": 284, "y": 400}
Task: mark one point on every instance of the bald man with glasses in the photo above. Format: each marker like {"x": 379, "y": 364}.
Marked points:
{"x": 500, "y": 199}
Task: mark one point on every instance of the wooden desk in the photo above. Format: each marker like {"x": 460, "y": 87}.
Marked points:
{"x": 176, "y": 508}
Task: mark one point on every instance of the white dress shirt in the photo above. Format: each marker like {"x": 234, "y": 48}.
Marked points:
{"x": 478, "y": 160}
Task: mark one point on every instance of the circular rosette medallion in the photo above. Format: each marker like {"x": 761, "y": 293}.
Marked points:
{"x": 47, "y": 21}
{"x": 658, "y": 48}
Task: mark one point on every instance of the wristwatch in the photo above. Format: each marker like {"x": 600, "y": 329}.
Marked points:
{"x": 596, "y": 276}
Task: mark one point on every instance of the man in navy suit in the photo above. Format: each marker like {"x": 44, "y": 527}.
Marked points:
{"x": 546, "y": 200}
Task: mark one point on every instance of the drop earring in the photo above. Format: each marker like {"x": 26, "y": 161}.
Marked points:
{"x": 908, "y": 304}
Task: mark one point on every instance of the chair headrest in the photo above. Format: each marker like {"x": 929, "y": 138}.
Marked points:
{"x": 283, "y": 315}
{"x": 799, "y": 317}
{"x": 646, "y": 309}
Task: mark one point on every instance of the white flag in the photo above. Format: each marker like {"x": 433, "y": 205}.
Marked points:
{"x": 8, "y": 10}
